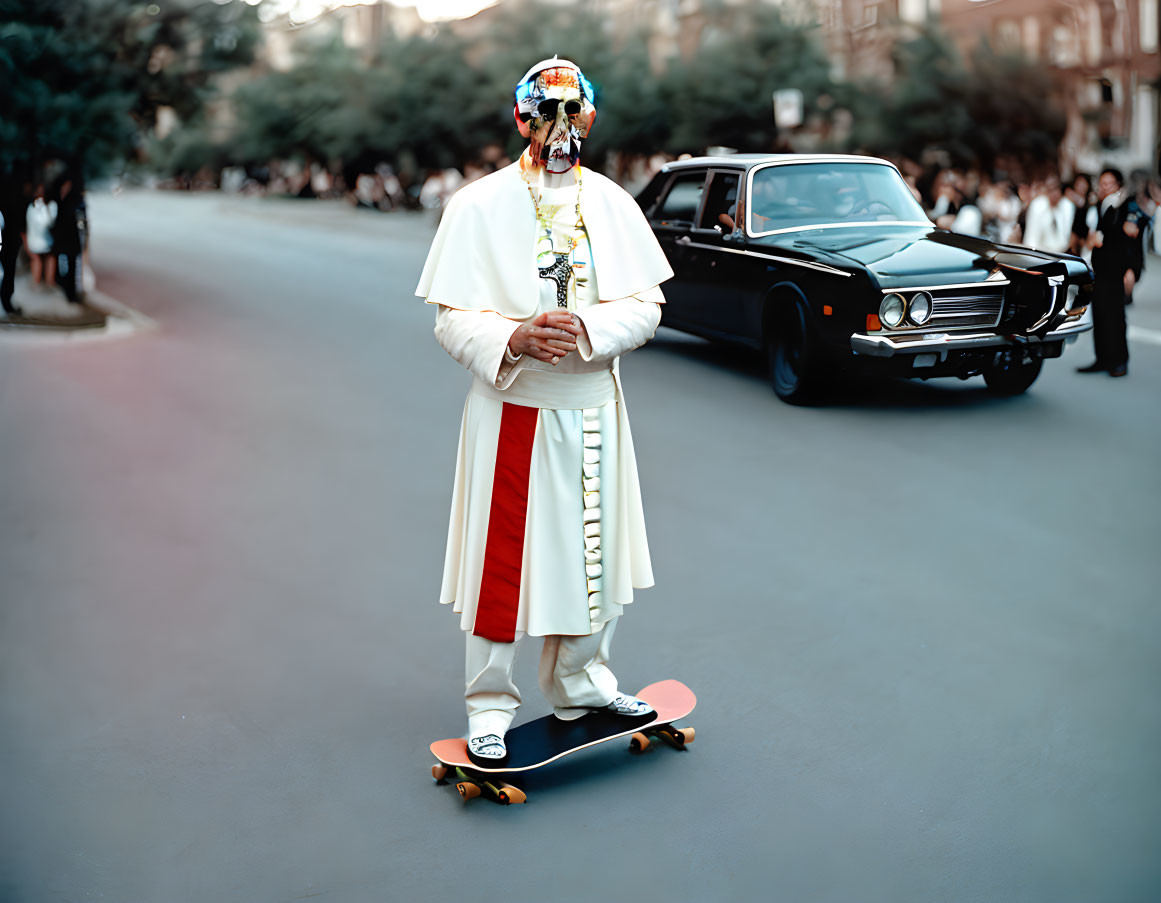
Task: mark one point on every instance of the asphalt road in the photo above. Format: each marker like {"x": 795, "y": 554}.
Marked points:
{"x": 922, "y": 623}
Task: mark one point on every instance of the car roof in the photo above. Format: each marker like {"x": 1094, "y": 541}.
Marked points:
{"x": 747, "y": 160}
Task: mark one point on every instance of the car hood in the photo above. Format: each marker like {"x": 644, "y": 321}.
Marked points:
{"x": 910, "y": 256}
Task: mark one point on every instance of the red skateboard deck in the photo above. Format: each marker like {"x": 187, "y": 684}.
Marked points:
{"x": 547, "y": 739}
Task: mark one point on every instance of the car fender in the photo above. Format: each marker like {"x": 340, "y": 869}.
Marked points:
{"x": 773, "y": 300}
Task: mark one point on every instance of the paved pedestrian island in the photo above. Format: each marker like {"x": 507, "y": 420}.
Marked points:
{"x": 47, "y": 308}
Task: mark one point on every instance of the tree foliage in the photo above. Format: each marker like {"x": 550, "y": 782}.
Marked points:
{"x": 88, "y": 77}
{"x": 977, "y": 110}
{"x": 435, "y": 100}
{"x": 84, "y": 79}
{"x": 724, "y": 94}
{"x": 1011, "y": 106}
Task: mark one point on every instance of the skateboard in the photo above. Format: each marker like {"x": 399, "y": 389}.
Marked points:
{"x": 539, "y": 742}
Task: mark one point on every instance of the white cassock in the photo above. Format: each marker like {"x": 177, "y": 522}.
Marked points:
{"x": 547, "y": 534}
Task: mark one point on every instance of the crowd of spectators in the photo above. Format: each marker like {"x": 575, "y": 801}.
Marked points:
{"x": 371, "y": 187}
{"x": 1048, "y": 213}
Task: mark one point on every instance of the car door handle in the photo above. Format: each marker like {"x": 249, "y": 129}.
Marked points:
{"x": 684, "y": 240}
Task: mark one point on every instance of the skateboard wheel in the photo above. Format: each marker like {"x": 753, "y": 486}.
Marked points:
{"x": 467, "y": 791}
{"x": 686, "y": 735}
{"x": 510, "y": 795}
{"x": 638, "y": 743}
{"x": 438, "y": 771}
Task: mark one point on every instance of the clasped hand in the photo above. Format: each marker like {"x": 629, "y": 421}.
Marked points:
{"x": 549, "y": 337}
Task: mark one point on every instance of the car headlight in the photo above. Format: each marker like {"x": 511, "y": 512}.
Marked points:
{"x": 892, "y": 309}
{"x": 919, "y": 310}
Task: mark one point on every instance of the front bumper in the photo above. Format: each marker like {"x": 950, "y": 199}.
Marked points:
{"x": 944, "y": 344}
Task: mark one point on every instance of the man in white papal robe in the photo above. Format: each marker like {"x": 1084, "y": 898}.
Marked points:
{"x": 543, "y": 274}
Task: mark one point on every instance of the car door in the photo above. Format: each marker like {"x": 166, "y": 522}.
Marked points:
{"x": 715, "y": 257}
{"x": 672, "y": 220}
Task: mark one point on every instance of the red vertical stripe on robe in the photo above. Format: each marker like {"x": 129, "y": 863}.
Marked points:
{"x": 499, "y": 599}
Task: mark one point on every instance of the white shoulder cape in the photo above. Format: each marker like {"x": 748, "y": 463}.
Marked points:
{"x": 481, "y": 257}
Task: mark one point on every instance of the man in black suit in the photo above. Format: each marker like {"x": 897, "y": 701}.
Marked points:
{"x": 13, "y": 204}
{"x": 1116, "y": 264}
{"x": 67, "y": 235}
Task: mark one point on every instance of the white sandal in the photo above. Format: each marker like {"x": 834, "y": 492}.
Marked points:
{"x": 629, "y": 705}
{"x": 489, "y": 747}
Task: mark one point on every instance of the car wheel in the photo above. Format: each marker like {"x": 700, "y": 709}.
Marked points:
{"x": 1009, "y": 374}
{"x": 792, "y": 356}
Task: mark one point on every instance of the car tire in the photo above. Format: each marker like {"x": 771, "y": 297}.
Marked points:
{"x": 1008, "y": 375}
{"x": 792, "y": 355}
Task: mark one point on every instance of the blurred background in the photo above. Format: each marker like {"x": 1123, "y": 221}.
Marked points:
{"x": 304, "y": 97}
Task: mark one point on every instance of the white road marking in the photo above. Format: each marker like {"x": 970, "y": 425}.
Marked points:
{"x": 1141, "y": 334}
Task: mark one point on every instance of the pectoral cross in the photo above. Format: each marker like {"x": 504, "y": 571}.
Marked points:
{"x": 559, "y": 272}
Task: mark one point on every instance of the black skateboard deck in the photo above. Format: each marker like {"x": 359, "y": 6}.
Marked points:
{"x": 537, "y": 743}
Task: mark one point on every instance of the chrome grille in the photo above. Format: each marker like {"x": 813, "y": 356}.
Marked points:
{"x": 966, "y": 307}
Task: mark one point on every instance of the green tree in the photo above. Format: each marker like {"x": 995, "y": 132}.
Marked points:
{"x": 84, "y": 79}
{"x": 415, "y": 100}
{"x": 1011, "y": 104}
{"x": 434, "y": 106}
{"x": 925, "y": 104}
{"x": 975, "y": 110}
{"x": 434, "y": 100}
{"x": 309, "y": 110}
{"x": 724, "y": 94}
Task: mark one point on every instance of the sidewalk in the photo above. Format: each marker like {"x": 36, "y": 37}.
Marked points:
{"x": 48, "y": 308}
{"x": 1144, "y": 315}
{"x": 46, "y": 311}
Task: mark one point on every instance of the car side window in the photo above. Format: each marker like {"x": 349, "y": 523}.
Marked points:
{"x": 680, "y": 205}
{"x": 721, "y": 203}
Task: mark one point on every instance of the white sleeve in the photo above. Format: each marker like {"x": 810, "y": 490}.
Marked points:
{"x": 1064, "y": 218}
{"x": 479, "y": 341}
{"x": 613, "y": 328}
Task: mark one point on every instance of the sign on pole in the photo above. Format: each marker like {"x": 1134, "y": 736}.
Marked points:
{"x": 788, "y": 108}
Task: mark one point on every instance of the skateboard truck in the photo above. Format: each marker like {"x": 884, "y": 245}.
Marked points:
{"x": 677, "y": 737}
{"x": 473, "y": 784}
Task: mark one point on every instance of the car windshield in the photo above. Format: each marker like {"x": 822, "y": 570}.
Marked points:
{"x": 813, "y": 194}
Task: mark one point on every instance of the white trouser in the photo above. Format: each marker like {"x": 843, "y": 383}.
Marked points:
{"x": 574, "y": 677}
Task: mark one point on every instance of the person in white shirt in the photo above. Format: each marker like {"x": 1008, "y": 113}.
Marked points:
{"x": 1048, "y": 225}
{"x": 38, "y": 238}
{"x": 1000, "y": 209}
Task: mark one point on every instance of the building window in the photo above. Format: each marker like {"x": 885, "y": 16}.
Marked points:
{"x": 913, "y": 11}
{"x": 1148, "y": 25}
{"x": 1007, "y": 34}
{"x": 1090, "y": 19}
{"x": 1032, "y": 37}
{"x": 1065, "y": 46}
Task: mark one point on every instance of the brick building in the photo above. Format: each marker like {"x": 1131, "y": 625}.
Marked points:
{"x": 1104, "y": 55}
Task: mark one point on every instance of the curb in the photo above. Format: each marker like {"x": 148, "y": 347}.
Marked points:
{"x": 120, "y": 321}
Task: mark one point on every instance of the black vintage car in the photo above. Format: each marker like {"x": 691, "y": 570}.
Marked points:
{"x": 828, "y": 264}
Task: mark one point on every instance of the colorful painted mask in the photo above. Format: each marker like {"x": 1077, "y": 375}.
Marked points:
{"x": 555, "y": 100}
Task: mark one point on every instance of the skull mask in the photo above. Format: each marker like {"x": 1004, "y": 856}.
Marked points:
{"x": 554, "y": 109}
